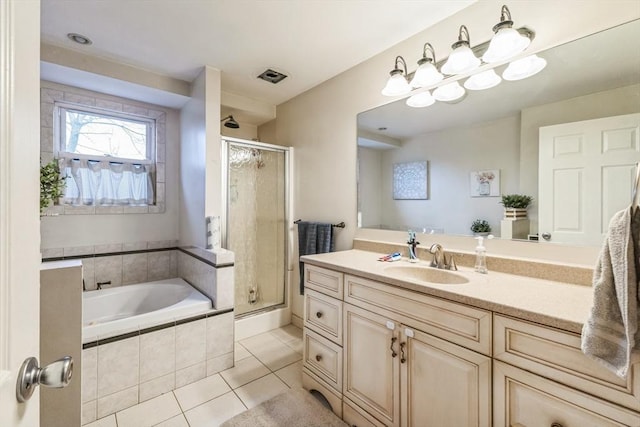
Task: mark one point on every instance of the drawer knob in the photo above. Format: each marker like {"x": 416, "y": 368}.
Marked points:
{"x": 319, "y": 314}
{"x": 319, "y": 358}
{"x": 556, "y": 425}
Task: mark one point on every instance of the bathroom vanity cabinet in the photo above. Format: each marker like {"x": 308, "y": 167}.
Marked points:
{"x": 385, "y": 365}
{"x": 383, "y": 355}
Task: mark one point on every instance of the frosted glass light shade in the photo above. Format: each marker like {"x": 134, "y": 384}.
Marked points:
{"x": 420, "y": 100}
{"x": 505, "y": 44}
{"x": 426, "y": 75}
{"x": 523, "y": 68}
{"x": 484, "y": 80}
{"x": 461, "y": 60}
{"x": 396, "y": 85}
{"x": 449, "y": 92}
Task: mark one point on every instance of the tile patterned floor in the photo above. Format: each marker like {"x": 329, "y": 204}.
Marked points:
{"x": 265, "y": 365}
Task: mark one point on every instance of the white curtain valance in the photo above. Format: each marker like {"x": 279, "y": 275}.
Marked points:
{"x": 104, "y": 182}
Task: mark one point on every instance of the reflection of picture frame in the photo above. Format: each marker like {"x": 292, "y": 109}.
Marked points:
{"x": 410, "y": 181}
{"x": 484, "y": 183}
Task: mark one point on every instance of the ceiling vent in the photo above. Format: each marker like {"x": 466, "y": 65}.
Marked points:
{"x": 272, "y": 76}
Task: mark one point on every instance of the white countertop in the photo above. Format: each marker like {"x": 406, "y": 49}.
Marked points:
{"x": 561, "y": 305}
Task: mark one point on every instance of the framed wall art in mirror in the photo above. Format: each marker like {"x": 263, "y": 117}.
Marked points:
{"x": 484, "y": 183}
{"x": 410, "y": 181}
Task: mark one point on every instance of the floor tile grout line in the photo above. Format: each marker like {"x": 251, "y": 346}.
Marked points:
{"x": 270, "y": 371}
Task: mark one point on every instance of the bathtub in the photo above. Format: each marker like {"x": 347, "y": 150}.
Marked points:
{"x": 124, "y": 309}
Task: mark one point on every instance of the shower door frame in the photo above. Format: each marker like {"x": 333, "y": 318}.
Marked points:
{"x": 225, "y": 142}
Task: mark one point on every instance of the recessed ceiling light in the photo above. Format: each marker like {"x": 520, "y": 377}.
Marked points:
{"x": 79, "y": 38}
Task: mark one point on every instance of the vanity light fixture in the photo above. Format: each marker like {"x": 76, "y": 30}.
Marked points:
{"x": 523, "y": 68}
{"x": 462, "y": 59}
{"x": 507, "y": 41}
{"x": 484, "y": 80}
{"x": 420, "y": 100}
{"x": 449, "y": 92}
{"x": 427, "y": 74}
{"x": 397, "y": 84}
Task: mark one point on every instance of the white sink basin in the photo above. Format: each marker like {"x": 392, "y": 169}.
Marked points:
{"x": 426, "y": 274}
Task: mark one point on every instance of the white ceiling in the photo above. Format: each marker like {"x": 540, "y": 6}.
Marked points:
{"x": 309, "y": 40}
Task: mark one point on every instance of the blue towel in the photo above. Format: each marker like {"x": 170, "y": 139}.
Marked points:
{"x": 313, "y": 238}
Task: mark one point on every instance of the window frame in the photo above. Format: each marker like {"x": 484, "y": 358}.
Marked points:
{"x": 60, "y": 125}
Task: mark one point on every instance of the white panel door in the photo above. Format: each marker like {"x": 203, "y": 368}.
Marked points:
{"x": 19, "y": 188}
{"x": 586, "y": 174}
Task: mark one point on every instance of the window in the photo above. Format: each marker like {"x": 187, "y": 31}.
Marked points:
{"x": 108, "y": 157}
{"x": 97, "y": 135}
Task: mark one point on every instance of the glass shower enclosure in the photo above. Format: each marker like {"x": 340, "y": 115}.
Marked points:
{"x": 255, "y": 228}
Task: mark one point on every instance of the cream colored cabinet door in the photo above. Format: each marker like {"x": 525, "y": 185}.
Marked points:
{"x": 442, "y": 384}
{"x": 371, "y": 376}
{"x": 19, "y": 188}
{"x": 528, "y": 400}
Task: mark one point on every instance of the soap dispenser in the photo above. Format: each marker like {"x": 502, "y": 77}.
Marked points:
{"x": 481, "y": 256}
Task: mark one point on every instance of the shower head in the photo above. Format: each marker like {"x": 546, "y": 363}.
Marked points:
{"x": 230, "y": 122}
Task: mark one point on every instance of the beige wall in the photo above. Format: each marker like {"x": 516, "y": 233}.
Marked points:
{"x": 246, "y": 131}
{"x": 321, "y": 123}
{"x": 200, "y": 158}
{"x": 452, "y": 154}
{"x": 370, "y": 194}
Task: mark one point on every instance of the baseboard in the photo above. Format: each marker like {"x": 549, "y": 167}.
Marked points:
{"x": 263, "y": 322}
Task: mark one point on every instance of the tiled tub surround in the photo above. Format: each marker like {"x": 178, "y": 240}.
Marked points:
{"x": 125, "y": 370}
{"x": 209, "y": 271}
{"x": 120, "y": 374}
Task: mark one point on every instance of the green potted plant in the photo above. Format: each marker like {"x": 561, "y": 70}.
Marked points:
{"x": 52, "y": 185}
{"x": 515, "y": 205}
{"x": 480, "y": 227}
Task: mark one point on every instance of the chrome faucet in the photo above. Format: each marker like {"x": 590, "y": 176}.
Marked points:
{"x": 440, "y": 258}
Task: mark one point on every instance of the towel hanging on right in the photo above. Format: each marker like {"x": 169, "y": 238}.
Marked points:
{"x": 611, "y": 334}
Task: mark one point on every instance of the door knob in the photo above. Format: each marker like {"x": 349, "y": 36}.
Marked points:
{"x": 55, "y": 375}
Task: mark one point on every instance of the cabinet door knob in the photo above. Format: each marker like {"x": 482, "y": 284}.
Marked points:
{"x": 393, "y": 352}
{"x": 319, "y": 314}
{"x": 556, "y": 425}
{"x": 402, "y": 356}
{"x": 318, "y": 357}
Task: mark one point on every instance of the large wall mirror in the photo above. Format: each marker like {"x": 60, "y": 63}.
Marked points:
{"x": 500, "y": 132}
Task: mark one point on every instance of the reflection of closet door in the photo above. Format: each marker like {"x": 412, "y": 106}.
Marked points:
{"x": 585, "y": 176}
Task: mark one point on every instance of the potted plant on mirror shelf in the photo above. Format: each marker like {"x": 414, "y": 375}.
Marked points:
{"x": 480, "y": 227}
{"x": 52, "y": 185}
{"x": 515, "y": 205}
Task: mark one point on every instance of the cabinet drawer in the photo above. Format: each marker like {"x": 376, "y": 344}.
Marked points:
{"x": 467, "y": 326}
{"x": 328, "y": 282}
{"x": 311, "y": 383}
{"x": 356, "y": 417}
{"x": 528, "y": 400}
{"x": 556, "y": 354}
{"x": 323, "y": 358}
{"x": 323, "y": 314}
